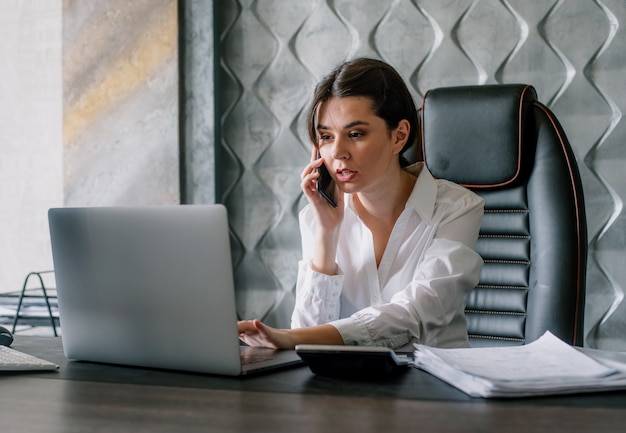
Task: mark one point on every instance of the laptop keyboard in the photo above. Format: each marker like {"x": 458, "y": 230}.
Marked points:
{"x": 252, "y": 355}
{"x": 13, "y": 360}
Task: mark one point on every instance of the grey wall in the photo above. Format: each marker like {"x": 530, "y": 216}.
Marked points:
{"x": 31, "y": 162}
{"x": 269, "y": 53}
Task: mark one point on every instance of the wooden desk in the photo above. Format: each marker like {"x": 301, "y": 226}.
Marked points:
{"x": 87, "y": 397}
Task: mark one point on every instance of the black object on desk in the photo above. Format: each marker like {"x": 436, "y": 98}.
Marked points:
{"x": 360, "y": 362}
{"x": 6, "y": 338}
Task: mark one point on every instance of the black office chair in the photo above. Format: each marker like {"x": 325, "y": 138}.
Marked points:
{"x": 503, "y": 144}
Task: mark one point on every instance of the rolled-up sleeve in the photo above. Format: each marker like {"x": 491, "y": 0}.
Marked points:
{"x": 429, "y": 309}
{"x": 317, "y": 297}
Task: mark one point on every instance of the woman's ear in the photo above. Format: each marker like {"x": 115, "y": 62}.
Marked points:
{"x": 400, "y": 135}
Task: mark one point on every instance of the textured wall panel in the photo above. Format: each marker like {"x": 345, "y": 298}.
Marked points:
{"x": 273, "y": 52}
{"x": 120, "y": 111}
{"x": 580, "y": 32}
{"x": 606, "y": 159}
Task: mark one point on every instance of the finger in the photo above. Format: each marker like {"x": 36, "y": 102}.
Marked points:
{"x": 260, "y": 326}
{"x": 314, "y": 153}
{"x": 311, "y": 167}
{"x": 245, "y": 326}
{"x": 309, "y": 188}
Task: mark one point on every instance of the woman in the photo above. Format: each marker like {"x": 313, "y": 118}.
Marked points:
{"x": 393, "y": 262}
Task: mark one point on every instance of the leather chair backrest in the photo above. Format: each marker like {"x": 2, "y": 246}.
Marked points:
{"x": 503, "y": 144}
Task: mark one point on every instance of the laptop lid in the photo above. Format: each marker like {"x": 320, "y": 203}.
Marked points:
{"x": 147, "y": 286}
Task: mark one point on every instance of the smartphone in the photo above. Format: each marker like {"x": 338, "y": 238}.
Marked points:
{"x": 325, "y": 184}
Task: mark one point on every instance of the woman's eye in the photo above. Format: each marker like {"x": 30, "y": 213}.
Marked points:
{"x": 355, "y": 134}
{"x": 324, "y": 137}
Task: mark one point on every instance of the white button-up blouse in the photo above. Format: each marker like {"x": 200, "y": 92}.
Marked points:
{"x": 418, "y": 291}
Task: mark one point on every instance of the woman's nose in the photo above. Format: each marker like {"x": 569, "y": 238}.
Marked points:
{"x": 340, "y": 150}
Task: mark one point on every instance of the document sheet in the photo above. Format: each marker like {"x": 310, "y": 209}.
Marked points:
{"x": 545, "y": 366}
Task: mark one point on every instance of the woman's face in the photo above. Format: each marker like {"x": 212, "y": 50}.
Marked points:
{"x": 357, "y": 146}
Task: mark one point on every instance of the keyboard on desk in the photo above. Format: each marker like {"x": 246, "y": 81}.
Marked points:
{"x": 252, "y": 355}
{"x": 13, "y": 360}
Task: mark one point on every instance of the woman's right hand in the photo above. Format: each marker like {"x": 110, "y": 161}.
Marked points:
{"x": 328, "y": 218}
{"x": 256, "y": 333}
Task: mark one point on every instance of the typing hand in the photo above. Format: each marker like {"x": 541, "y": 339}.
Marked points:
{"x": 256, "y": 333}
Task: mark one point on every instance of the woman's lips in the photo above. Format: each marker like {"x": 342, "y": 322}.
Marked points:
{"x": 345, "y": 175}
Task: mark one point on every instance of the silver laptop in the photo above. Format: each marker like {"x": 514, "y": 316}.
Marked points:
{"x": 151, "y": 287}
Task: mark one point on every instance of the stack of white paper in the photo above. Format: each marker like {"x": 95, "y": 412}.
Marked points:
{"x": 545, "y": 366}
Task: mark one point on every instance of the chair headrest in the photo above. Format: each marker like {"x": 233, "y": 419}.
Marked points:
{"x": 472, "y": 135}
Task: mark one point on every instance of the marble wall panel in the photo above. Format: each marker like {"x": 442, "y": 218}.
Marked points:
{"x": 120, "y": 102}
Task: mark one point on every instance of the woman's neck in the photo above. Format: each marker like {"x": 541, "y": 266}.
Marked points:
{"x": 387, "y": 203}
{"x": 379, "y": 212}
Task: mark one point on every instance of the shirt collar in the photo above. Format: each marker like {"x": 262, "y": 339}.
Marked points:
{"x": 424, "y": 193}
{"x": 423, "y": 196}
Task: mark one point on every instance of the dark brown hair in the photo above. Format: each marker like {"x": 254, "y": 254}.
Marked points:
{"x": 383, "y": 86}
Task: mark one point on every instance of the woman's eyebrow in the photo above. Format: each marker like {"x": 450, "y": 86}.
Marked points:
{"x": 355, "y": 123}
{"x": 347, "y": 125}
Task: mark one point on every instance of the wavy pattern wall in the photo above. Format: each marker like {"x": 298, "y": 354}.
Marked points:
{"x": 270, "y": 53}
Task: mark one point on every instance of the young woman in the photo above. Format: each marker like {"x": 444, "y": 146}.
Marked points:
{"x": 393, "y": 262}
